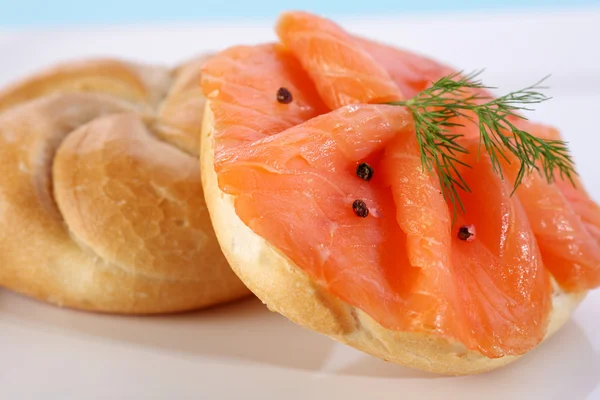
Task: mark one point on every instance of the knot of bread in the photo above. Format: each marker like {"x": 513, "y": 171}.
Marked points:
{"x": 101, "y": 201}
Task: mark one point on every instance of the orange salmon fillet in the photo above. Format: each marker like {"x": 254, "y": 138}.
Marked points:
{"x": 292, "y": 169}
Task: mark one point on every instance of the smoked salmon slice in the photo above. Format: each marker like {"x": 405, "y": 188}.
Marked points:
{"x": 385, "y": 245}
{"x": 564, "y": 220}
{"x": 342, "y": 70}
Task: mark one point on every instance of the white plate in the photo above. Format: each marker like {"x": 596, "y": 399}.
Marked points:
{"x": 242, "y": 350}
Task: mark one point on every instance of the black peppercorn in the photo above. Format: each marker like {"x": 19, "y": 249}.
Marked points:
{"x": 466, "y": 233}
{"x": 360, "y": 208}
{"x": 284, "y": 96}
{"x": 364, "y": 171}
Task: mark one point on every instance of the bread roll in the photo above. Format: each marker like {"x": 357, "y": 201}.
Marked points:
{"x": 101, "y": 202}
{"x": 286, "y": 289}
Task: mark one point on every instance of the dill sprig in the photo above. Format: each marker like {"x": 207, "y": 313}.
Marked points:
{"x": 436, "y": 110}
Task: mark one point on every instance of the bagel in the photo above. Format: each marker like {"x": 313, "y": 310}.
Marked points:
{"x": 332, "y": 194}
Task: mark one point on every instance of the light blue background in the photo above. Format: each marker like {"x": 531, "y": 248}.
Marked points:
{"x": 77, "y": 12}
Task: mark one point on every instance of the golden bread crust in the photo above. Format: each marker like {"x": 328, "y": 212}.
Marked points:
{"x": 101, "y": 201}
{"x": 286, "y": 289}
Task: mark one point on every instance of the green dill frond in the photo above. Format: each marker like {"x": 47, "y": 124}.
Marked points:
{"x": 436, "y": 109}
